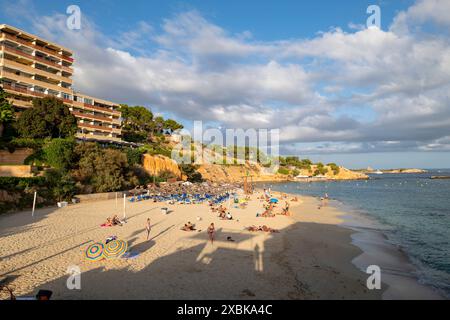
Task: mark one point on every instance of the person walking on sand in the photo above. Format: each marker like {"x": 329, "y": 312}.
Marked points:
{"x": 148, "y": 227}
{"x": 211, "y": 231}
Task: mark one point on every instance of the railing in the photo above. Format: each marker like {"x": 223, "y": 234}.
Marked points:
{"x": 47, "y": 85}
{"x": 71, "y": 102}
{"x": 37, "y": 47}
{"x": 86, "y": 125}
{"x": 87, "y": 115}
{"x": 97, "y": 137}
{"x": 29, "y": 56}
{"x": 87, "y": 105}
{"x": 38, "y": 71}
{"x": 21, "y": 103}
{"x": 21, "y": 90}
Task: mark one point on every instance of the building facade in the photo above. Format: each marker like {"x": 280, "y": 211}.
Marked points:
{"x": 33, "y": 67}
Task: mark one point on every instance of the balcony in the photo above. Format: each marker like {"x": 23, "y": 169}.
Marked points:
{"x": 39, "y": 83}
{"x": 24, "y": 91}
{"x": 91, "y": 116}
{"x": 101, "y": 109}
{"x": 37, "y": 47}
{"x": 85, "y": 136}
{"x": 22, "y": 54}
{"x": 21, "y": 103}
{"x": 92, "y": 126}
{"x": 25, "y": 68}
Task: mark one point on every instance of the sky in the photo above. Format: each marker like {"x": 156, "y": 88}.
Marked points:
{"x": 337, "y": 90}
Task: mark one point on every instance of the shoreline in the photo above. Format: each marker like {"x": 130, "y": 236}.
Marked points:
{"x": 398, "y": 271}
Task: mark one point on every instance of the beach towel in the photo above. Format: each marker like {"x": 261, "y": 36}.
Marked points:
{"x": 105, "y": 225}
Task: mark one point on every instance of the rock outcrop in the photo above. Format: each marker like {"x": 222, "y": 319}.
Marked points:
{"x": 156, "y": 164}
{"x": 257, "y": 173}
{"x": 404, "y": 171}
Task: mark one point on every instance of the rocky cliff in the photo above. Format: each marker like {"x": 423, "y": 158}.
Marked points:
{"x": 234, "y": 173}
{"x": 154, "y": 165}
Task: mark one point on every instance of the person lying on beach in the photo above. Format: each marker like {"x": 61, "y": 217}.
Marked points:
{"x": 227, "y": 216}
{"x": 222, "y": 209}
{"x": 116, "y": 221}
{"x": 263, "y": 228}
{"x": 188, "y": 227}
{"x": 267, "y": 214}
{"x": 295, "y": 199}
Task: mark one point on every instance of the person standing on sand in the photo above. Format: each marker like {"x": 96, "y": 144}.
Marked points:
{"x": 211, "y": 231}
{"x": 148, "y": 227}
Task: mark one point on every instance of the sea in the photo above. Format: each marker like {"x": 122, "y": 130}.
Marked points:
{"x": 412, "y": 210}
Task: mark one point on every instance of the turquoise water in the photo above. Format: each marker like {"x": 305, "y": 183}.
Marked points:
{"x": 415, "y": 208}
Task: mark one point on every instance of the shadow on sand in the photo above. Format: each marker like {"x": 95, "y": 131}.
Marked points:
{"x": 285, "y": 266}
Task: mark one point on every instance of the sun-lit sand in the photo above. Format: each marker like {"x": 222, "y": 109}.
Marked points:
{"x": 310, "y": 258}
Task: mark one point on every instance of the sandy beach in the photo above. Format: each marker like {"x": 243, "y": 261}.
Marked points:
{"x": 310, "y": 258}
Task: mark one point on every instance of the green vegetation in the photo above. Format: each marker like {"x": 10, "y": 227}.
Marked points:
{"x": 191, "y": 172}
{"x": 334, "y": 167}
{"x": 98, "y": 169}
{"x": 18, "y": 193}
{"x": 157, "y": 148}
{"x": 69, "y": 167}
{"x": 320, "y": 169}
{"x": 292, "y": 165}
{"x": 134, "y": 156}
{"x": 284, "y": 171}
{"x": 48, "y": 118}
{"x": 6, "y": 111}
{"x": 61, "y": 184}
{"x": 166, "y": 175}
{"x": 58, "y": 153}
{"x": 303, "y": 164}
{"x": 140, "y": 126}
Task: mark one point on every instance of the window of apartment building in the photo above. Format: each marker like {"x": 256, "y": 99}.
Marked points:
{"x": 52, "y": 93}
{"x": 20, "y": 86}
{"x": 88, "y": 101}
{"x": 67, "y": 96}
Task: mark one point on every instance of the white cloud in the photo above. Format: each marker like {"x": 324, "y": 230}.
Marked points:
{"x": 199, "y": 71}
{"x": 423, "y": 11}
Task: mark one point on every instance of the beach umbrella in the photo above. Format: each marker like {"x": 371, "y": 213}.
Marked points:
{"x": 274, "y": 200}
{"x": 95, "y": 251}
{"x": 115, "y": 249}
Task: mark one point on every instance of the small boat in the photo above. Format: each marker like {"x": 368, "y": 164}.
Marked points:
{"x": 378, "y": 172}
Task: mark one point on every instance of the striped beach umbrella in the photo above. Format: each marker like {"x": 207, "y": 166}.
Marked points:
{"x": 115, "y": 249}
{"x": 95, "y": 251}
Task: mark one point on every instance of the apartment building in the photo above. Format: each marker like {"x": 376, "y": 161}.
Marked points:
{"x": 33, "y": 67}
